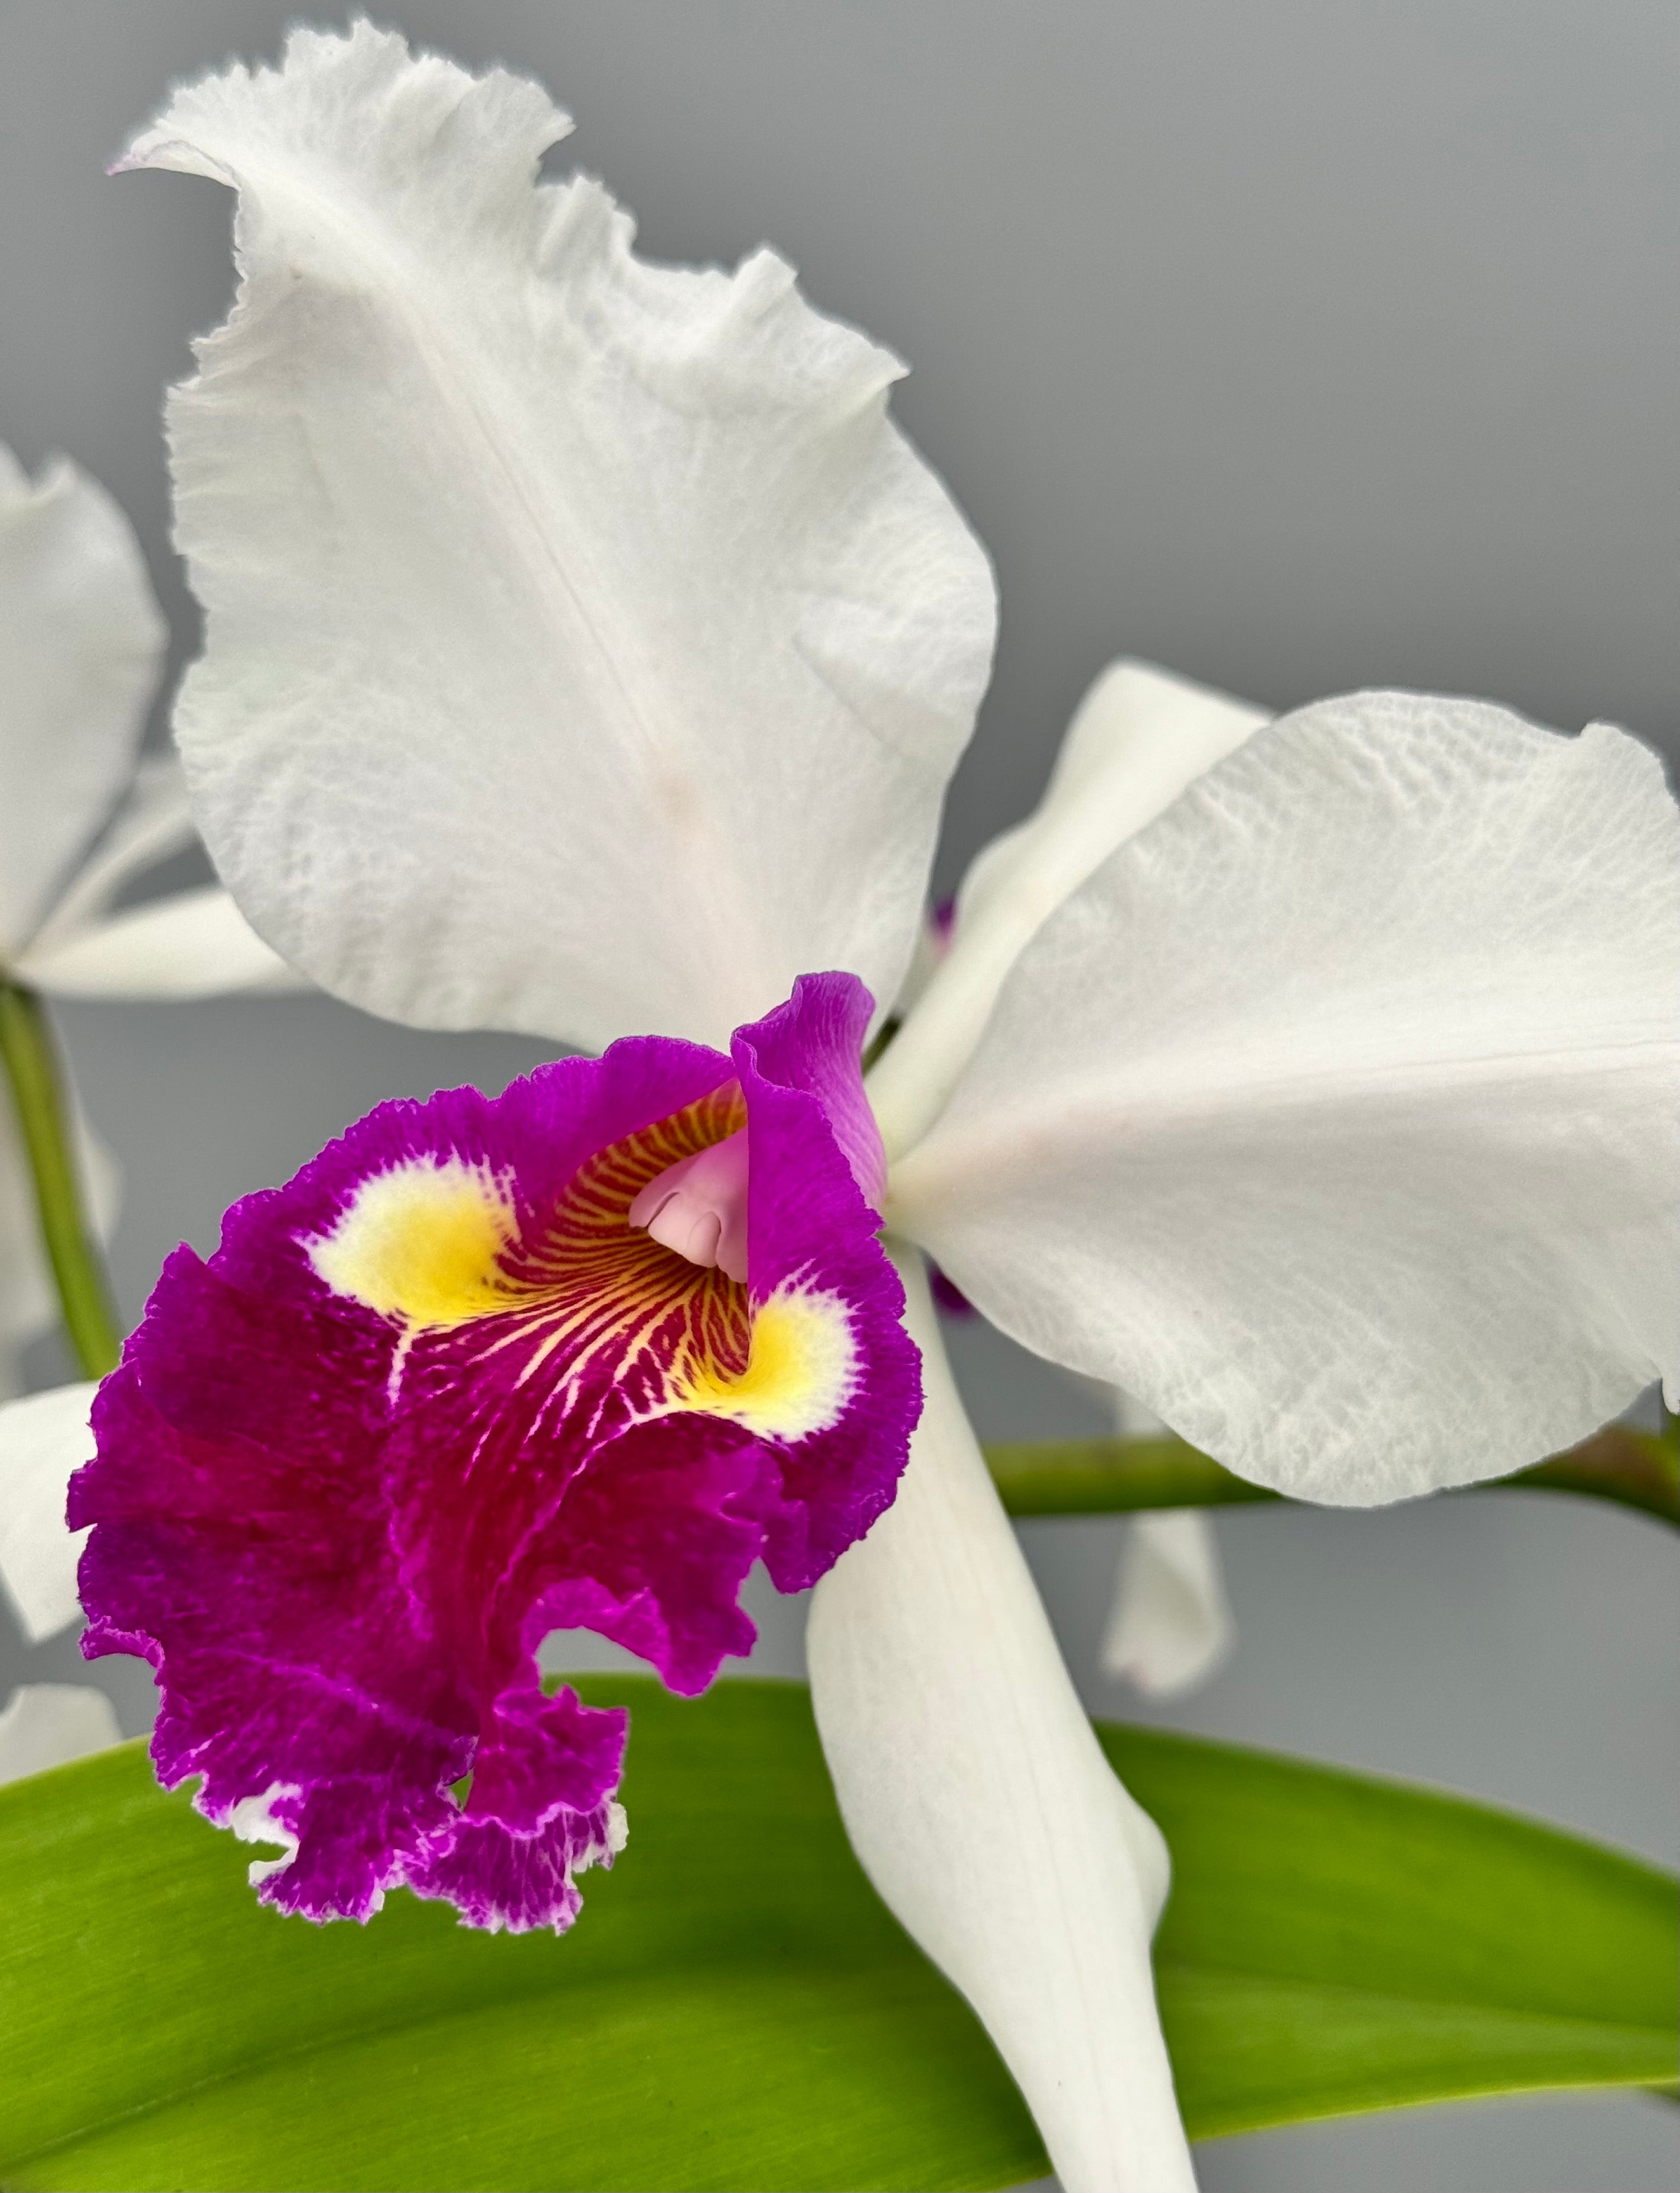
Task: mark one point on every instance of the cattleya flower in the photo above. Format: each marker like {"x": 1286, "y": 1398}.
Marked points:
{"x": 587, "y": 654}
{"x": 81, "y": 817}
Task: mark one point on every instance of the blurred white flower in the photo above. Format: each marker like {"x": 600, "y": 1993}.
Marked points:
{"x": 82, "y": 816}
{"x": 49, "y": 1724}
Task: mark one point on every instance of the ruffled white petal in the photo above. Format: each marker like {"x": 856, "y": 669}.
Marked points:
{"x": 1335, "y": 1116}
{"x": 49, "y": 1724}
{"x": 1137, "y": 739}
{"x": 81, "y": 640}
{"x": 1170, "y": 1625}
{"x": 981, "y": 1806}
{"x": 196, "y": 944}
{"x": 44, "y": 1439}
{"x": 601, "y": 598}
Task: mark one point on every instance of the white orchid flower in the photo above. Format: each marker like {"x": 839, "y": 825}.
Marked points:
{"x": 587, "y": 654}
{"x": 81, "y": 817}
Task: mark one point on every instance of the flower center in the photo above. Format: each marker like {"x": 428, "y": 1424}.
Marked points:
{"x": 698, "y": 1207}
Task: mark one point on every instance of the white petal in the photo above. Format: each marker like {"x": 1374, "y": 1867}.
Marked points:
{"x": 49, "y": 1724}
{"x": 196, "y": 944}
{"x": 1170, "y": 1627}
{"x": 587, "y": 651}
{"x": 44, "y": 1441}
{"x": 1137, "y": 739}
{"x": 1335, "y": 1116}
{"x": 154, "y": 821}
{"x": 81, "y": 640}
{"x": 981, "y": 1806}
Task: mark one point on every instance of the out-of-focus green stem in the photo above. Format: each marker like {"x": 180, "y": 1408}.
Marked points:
{"x": 37, "y": 1093}
{"x": 1110, "y": 1476}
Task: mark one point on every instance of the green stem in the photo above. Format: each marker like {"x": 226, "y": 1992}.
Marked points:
{"x": 37, "y": 1091}
{"x": 1111, "y": 1476}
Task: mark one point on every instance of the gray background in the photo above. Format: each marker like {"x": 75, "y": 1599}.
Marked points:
{"x": 1300, "y": 347}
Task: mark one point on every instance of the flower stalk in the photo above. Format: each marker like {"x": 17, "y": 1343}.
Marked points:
{"x": 1630, "y": 1468}
{"x": 37, "y": 1089}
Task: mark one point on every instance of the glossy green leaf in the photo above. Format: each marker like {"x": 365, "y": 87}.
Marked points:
{"x": 736, "y": 2009}
{"x": 1338, "y": 1943}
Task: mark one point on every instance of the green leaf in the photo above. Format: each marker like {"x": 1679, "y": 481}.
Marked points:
{"x": 1629, "y": 1467}
{"x": 1337, "y": 1943}
{"x": 736, "y": 2009}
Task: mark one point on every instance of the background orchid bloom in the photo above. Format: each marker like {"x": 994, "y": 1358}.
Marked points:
{"x": 81, "y": 817}
{"x": 605, "y": 604}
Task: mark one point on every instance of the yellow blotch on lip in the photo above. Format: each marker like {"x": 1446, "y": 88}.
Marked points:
{"x": 422, "y": 1242}
{"x": 801, "y": 1370}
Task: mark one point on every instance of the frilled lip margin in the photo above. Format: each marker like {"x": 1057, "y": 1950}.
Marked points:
{"x": 437, "y": 1397}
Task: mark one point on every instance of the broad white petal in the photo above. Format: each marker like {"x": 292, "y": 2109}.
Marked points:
{"x": 196, "y": 944}
{"x": 81, "y": 640}
{"x": 49, "y": 1724}
{"x": 1170, "y": 1626}
{"x": 44, "y": 1439}
{"x": 983, "y": 1809}
{"x": 1335, "y": 1115}
{"x": 154, "y": 823}
{"x": 1138, "y": 738}
{"x": 586, "y": 650}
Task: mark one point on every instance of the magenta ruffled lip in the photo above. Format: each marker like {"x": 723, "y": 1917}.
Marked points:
{"x": 435, "y": 1398}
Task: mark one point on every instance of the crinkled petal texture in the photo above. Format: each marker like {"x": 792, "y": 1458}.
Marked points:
{"x": 1335, "y": 1116}
{"x": 603, "y": 597}
{"x": 81, "y": 643}
{"x": 435, "y": 1398}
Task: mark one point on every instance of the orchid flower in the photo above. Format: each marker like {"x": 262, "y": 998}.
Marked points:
{"x": 587, "y": 654}
{"x": 81, "y": 817}
{"x": 80, "y": 650}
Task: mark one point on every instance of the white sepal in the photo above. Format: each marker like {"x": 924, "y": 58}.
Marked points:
{"x": 44, "y": 1439}
{"x": 603, "y": 597}
{"x": 154, "y": 821}
{"x": 49, "y": 1724}
{"x": 195, "y": 944}
{"x": 1170, "y": 1625}
{"x": 981, "y": 1806}
{"x": 1336, "y": 1115}
{"x": 1137, "y": 739}
{"x": 80, "y": 643}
